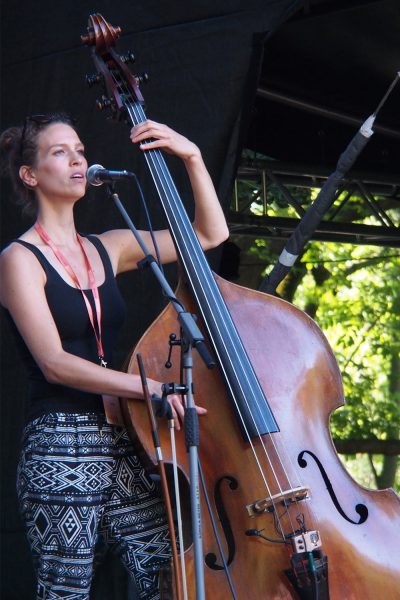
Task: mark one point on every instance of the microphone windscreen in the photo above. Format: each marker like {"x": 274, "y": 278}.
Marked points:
{"x": 91, "y": 174}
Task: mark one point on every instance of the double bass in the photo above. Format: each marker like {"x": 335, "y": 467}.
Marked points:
{"x": 291, "y": 521}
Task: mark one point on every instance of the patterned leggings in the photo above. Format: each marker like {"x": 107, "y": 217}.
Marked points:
{"x": 79, "y": 480}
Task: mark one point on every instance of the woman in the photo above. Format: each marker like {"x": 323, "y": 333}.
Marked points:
{"x": 78, "y": 477}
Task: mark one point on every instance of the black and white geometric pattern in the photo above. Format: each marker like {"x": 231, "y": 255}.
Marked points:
{"x": 79, "y": 480}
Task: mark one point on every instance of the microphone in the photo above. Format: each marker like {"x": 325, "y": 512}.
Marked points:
{"x": 97, "y": 175}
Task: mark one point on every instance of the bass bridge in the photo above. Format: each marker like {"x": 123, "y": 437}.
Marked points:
{"x": 285, "y": 498}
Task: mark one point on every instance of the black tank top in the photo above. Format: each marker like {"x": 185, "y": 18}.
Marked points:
{"x": 77, "y": 337}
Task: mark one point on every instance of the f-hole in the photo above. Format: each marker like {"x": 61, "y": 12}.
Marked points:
{"x": 210, "y": 558}
{"x": 360, "y": 509}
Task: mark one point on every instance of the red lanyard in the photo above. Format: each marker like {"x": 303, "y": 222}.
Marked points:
{"x": 63, "y": 260}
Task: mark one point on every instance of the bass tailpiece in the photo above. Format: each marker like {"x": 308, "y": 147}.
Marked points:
{"x": 309, "y": 575}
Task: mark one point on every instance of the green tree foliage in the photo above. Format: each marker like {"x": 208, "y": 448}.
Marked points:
{"x": 353, "y": 293}
{"x": 356, "y": 302}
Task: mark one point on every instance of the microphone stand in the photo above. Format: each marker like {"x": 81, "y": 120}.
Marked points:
{"x": 191, "y": 337}
{"x": 312, "y": 217}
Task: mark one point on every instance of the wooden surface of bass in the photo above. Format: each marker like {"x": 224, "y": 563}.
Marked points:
{"x": 299, "y": 373}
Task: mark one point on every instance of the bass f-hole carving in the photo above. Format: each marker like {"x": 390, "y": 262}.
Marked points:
{"x": 210, "y": 558}
{"x": 360, "y": 509}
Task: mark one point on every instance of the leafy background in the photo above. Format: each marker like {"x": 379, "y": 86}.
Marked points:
{"x": 353, "y": 293}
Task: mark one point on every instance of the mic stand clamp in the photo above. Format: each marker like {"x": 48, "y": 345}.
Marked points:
{"x": 191, "y": 337}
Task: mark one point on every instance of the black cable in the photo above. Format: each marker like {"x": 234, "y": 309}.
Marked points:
{"x": 257, "y": 533}
{"x": 149, "y": 224}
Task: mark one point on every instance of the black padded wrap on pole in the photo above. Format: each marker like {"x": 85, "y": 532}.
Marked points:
{"x": 192, "y": 438}
{"x": 314, "y": 214}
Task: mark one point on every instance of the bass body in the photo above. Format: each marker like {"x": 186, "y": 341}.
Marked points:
{"x": 359, "y": 528}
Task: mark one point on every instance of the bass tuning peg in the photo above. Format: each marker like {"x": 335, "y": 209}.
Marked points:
{"x": 103, "y": 103}
{"x": 129, "y": 57}
{"x": 143, "y": 78}
{"x": 93, "y": 79}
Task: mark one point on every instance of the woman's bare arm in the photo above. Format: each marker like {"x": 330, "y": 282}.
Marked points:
{"x": 22, "y": 293}
{"x": 209, "y": 221}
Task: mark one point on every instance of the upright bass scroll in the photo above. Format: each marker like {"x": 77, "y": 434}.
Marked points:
{"x": 269, "y": 406}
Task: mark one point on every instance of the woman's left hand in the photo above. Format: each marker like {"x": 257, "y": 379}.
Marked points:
{"x": 157, "y": 135}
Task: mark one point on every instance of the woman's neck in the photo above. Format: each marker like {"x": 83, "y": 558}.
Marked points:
{"x": 59, "y": 227}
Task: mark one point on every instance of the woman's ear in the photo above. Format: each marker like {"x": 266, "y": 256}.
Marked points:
{"x": 28, "y": 177}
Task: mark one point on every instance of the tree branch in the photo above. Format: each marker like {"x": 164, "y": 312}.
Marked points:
{"x": 386, "y": 447}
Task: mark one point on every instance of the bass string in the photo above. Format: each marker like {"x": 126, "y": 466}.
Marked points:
{"x": 160, "y": 172}
{"x": 137, "y": 116}
{"x": 266, "y": 452}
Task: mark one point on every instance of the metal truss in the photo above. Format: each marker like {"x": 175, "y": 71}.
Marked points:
{"x": 376, "y": 197}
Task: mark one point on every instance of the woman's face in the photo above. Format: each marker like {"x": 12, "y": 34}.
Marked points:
{"x": 60, "y": 168}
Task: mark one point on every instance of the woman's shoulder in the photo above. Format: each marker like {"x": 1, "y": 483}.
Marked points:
{"x": 18, "y": 247}
{"x": 19, "y": 253}
{"x": 27, "y": 237}
{"x": 18, "y": 266}
{"x": 14, "y": 249}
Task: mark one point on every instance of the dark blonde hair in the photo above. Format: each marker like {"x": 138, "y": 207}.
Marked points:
{"x": 19, "y": 146}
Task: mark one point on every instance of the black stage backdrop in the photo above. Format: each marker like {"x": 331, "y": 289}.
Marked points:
{"x": 203, "y": 60}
